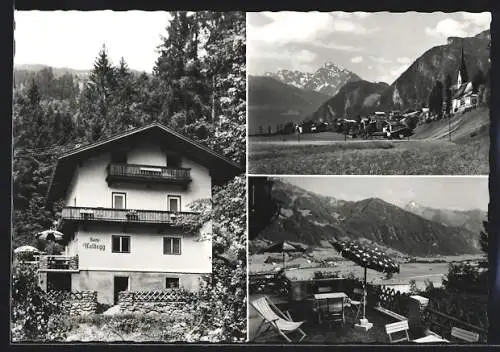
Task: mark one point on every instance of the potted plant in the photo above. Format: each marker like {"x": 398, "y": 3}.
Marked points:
{"x": 132, "y": 215}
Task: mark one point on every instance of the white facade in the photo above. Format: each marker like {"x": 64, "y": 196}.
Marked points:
{"x": 145, "y": 255}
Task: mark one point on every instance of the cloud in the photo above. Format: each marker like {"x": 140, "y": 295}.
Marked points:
{"x": 287, "y": 27}
{"x": 340, "y": 25}
{"x": 301, "y": 60}
{"x": 258, "y": 19}
{"x": 347, "y": 15}
{"x": 336, "y": 46}
{"x": 357, "y": 59}
{"x": 448, "y": 28}
{"x": 398, "y": 71}
{"x": 403, "y": 60}
{"x": 472, "y": 24}
{"x": 380, "y": 60}
{"x": 482, "y": 19}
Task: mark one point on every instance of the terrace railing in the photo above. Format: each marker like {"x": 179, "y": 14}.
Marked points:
{"x": 147, "y": 173}
{"x": 58, "y": 263}
{"x": 120, "y": 215}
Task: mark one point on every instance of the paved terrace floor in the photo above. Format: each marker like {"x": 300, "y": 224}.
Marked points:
{"x": 321, "y": 333}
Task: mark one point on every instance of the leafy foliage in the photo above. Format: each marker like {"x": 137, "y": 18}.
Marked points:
{"x": 33, "y": 317}
{"x": 221, "y": 310}
{"x": 466, "y": 278}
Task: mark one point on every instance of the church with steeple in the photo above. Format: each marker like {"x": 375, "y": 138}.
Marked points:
{"x": 463, "y": 97}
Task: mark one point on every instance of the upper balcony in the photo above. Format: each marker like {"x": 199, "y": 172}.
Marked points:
{"x": 86, "y": 214}
{"x": 147, "y": 174}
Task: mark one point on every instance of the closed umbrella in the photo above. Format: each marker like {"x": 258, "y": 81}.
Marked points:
{"x": 50, "y": 235}
{"x": 368, "y": 257}
{"x": 282, "y": 247}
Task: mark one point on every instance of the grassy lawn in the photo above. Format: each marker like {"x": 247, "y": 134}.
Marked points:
{"x": 414, "y": 157}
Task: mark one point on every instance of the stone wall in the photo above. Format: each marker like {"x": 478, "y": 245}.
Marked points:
{"x": 154, "y": 302}
{"x": 75, "y": 302}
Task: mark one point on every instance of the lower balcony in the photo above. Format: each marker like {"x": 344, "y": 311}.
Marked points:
{"x": 58, "y": 263}
{"x": 75, "y": 214}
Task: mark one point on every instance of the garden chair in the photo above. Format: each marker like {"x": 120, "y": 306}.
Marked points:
{"x": 355, "y": 305}
{"x": 462, "y": 335}
{"x": 330, "y": 310}
{"x": 394, "y": 328}
{"x": 275, "y": 318}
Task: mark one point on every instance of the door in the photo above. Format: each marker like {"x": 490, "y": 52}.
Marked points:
{"x": 120, "y": 284}
{"x": 58, "y": 281}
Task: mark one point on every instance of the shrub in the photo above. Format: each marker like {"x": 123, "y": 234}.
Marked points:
{"x": 413, "y": 287}
{"x": 34, "y": 318}
{"x": 466, "y": 278}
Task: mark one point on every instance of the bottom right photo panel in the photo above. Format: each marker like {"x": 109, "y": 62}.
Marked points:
{"x": 368, "y": 259}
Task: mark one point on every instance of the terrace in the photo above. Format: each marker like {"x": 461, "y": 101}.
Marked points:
{"x": 294, "y": 294}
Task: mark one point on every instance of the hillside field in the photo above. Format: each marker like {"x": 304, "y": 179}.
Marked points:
{"x": 428, "y": 152}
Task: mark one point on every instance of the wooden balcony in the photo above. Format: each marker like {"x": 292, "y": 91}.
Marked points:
{"x": 80, "y": 214}
{"x": 147, "y": 174}
{"x": 58, "y": 263}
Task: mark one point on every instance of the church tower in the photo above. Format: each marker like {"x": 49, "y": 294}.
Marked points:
{"x": 463, "y": 77}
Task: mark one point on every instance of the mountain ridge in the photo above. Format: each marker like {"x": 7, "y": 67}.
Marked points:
{"x": 327, "y": 79}
{"x": 312, "y": 219}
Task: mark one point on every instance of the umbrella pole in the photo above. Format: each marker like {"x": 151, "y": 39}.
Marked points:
{"x": 364, "y": 297}
{"x": 284, "y": 261}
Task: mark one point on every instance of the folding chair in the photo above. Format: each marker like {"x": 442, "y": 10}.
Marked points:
{"x": 462, "y": 335}
{"x": 355, "y": 305}
{"x": 275, "y": 318}
{"x": 394, "y": 328}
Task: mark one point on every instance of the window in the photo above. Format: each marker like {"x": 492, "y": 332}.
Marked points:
{"x": 119, "y": 157}
{"x": 171, "y": 245}
{"x": 174, "y": 203}
{"x": 172, "y": 282}
{"x": 119, "y": 200}
{"x": 174, "y": 160}
{"x": 120, "y": 244}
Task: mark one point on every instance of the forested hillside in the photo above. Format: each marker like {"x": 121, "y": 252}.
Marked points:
{"x": 196, "y": 87}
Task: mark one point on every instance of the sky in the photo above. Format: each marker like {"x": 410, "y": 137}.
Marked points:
{"x": 376, "y": 46}
{"x": 73, "y": 39}
{"x": 443, "y": 192}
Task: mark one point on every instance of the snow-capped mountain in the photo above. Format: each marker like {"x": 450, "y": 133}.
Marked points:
{"x": 469, "y": 219}
{"x": 328, "y": 79}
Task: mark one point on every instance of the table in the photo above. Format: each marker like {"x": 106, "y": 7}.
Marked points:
{"x": 330, "y": 313}
{"x": 430, "y": 339}
{"x": 330, "y": 295}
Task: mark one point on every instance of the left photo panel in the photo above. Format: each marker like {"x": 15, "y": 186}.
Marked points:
{"x": 129, "y": 211}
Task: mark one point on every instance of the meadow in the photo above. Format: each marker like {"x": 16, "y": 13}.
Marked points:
{"x": 371, "y": 157}
{"x": 427, "y": 152}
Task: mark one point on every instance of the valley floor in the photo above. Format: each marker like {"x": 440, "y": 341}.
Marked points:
{"x": 429, "y": 152}
{"x": 420, "y": 272}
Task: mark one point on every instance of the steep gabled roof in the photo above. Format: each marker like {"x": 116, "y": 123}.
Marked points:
{"x": 463, "y": 68}
{"x": 221, "y": 168}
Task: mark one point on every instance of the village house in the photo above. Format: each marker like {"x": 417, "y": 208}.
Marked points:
{"x": 463, "y": 94}
{"x": 121, "y": 198}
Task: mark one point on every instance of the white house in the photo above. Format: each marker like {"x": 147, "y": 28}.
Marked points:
{"x": 463, "y": 95}
{"x": 121, "y": 196}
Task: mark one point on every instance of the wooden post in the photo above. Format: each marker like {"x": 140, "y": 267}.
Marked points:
{"x": 283, "y": 260}
{"x": 449, "y": 127}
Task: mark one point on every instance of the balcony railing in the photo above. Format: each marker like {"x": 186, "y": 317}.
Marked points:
{"x": 120, "y": 215}
{"x": 147, "y": 173}
{"x": 58, "y": 263}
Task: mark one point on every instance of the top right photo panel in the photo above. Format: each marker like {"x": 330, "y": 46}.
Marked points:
{"x": 357, "y": 93}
